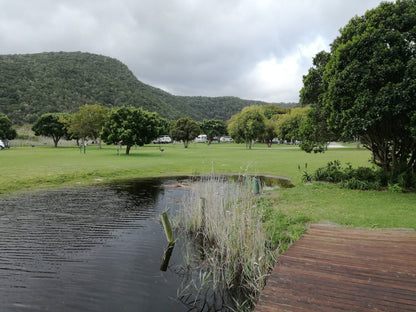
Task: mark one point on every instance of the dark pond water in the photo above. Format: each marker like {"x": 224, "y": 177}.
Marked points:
{"x": 90, "y": 249}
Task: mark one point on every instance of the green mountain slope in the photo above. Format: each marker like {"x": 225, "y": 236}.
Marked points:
{"x": 34, "y": 84}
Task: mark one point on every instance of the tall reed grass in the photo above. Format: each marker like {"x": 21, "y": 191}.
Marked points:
{"x": 236, "y": 247}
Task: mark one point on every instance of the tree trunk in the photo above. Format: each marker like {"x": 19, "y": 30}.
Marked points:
{"x": 185, "y": 143}
{"x": 128, "y": 149}
{"x": 55, "y": 141}
{"x": 99, "y": 143}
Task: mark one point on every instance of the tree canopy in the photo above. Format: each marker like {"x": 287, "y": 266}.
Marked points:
{"x": 88, "y": 122}
{"x": 52, "y": 125}
{"x": 248, "y": 125}
{"x": 313, "y": 82}
{"x": 6, "y": 130}
{"x": 368, "y": 87}
{"x": 291, "y": 125}
{"x": 272, "y": 115}
{"x": 185, "y": 130}
{"x": 131, "y": 126}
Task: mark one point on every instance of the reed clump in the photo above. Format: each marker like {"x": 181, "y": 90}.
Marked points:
{"x": 236, "y": 233}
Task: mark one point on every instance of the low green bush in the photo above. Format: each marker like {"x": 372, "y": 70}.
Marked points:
{"x": 357, "y": 184}
{"x": 365, "y": 174}
{"x": 362, "y": 178}
{"x": 396, "y": 188}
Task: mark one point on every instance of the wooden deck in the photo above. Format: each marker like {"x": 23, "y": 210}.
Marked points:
{"x": 338, "y": 269}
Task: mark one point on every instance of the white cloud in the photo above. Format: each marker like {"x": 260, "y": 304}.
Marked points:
{"x": 245, "y": 48}
{"x": 280, "y": 79}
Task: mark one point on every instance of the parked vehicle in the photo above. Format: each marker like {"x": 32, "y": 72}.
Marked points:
{"x": 163, "y": 139}
{"x": 2, "y": 145}
{"x": 226, "y": 139}
{"x": 202, "y": 138}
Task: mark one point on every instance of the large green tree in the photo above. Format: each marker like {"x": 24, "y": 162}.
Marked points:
{"x": 131, "y": 126}
{"x": 51, "y": 125}
{"x": 6, "y": 130}
{"x": 248, "y": 125}
{"x": 213, "y": 128}
{"x": 290, "y": 126}
{"x": 272, "y": 114}
{"x": 315, "y": 132}
{"x": 185, "y": 130}
{"x": 88, "y": 122}
{"x": 313, "y": 86}
{"x": 368, "y": 87}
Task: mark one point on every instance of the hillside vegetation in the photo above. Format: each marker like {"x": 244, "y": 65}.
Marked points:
{"x": 34, "y": 84}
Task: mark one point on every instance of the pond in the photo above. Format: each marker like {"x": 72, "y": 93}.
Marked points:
{"x": 95, "y": 248}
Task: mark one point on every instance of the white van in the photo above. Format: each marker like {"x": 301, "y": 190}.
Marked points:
{"x": 163, "y": 139}
{"x": 202, "y": 138}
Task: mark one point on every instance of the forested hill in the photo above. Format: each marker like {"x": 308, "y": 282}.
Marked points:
{"x": 34, "y": 84}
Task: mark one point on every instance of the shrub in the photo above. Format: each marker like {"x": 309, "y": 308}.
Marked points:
{"x": 363, "y": 178}
{"x": 395, "y": 188}
{"x": 366, "y": 174}
{"x": 331, "y": 173}
{"x": 406, "y": 180}
{"x": 356, "y": 184}
{"x": 306, "y": 177}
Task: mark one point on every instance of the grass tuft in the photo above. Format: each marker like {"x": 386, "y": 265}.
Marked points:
{"x": 239, "y": 234}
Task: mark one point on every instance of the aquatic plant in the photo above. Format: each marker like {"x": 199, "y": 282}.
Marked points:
{"x": 236, "y": 234}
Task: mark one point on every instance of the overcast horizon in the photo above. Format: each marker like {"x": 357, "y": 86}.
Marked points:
{"x": 257, "y": 50}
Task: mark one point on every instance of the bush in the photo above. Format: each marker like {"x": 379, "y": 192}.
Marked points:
{"x": 395, "y": 188}
{"x": 404, "y": 179}
{"x": 306, "y": 177}
{"x": 366, "y": 174}
{"x": 356, "y": 184}
{"x": 331, "y": 173}
{"x": 363, "y": 178}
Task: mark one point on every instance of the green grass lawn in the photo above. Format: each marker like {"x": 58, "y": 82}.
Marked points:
{"x": 370, "y": 209}
{"x": 26, "y": 168}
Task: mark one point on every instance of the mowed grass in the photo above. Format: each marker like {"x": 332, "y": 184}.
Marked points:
{"x": 26, "y": 168}
{"x": 323, "y": 203}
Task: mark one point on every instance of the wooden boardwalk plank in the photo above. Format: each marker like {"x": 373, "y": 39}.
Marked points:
{"x": 342, "y": 269}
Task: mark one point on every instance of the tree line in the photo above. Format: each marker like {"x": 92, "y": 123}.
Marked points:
{"x": 126, "y": 125}
{"x": 266, "y": 123}
{"x": 135, "y": 126}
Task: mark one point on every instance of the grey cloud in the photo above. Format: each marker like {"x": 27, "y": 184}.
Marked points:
{"x": 190, "y": 47}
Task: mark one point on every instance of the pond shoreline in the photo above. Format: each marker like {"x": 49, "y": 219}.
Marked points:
{"x": 115, "y": 180}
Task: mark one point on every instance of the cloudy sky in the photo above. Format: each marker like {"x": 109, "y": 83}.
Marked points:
{"x": 253, "y": 49}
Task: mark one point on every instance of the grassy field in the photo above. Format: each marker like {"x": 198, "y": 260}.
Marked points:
{"x": 27, "y": 168}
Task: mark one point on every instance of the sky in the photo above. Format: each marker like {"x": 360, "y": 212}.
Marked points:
{"x": 252, "y": 49}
